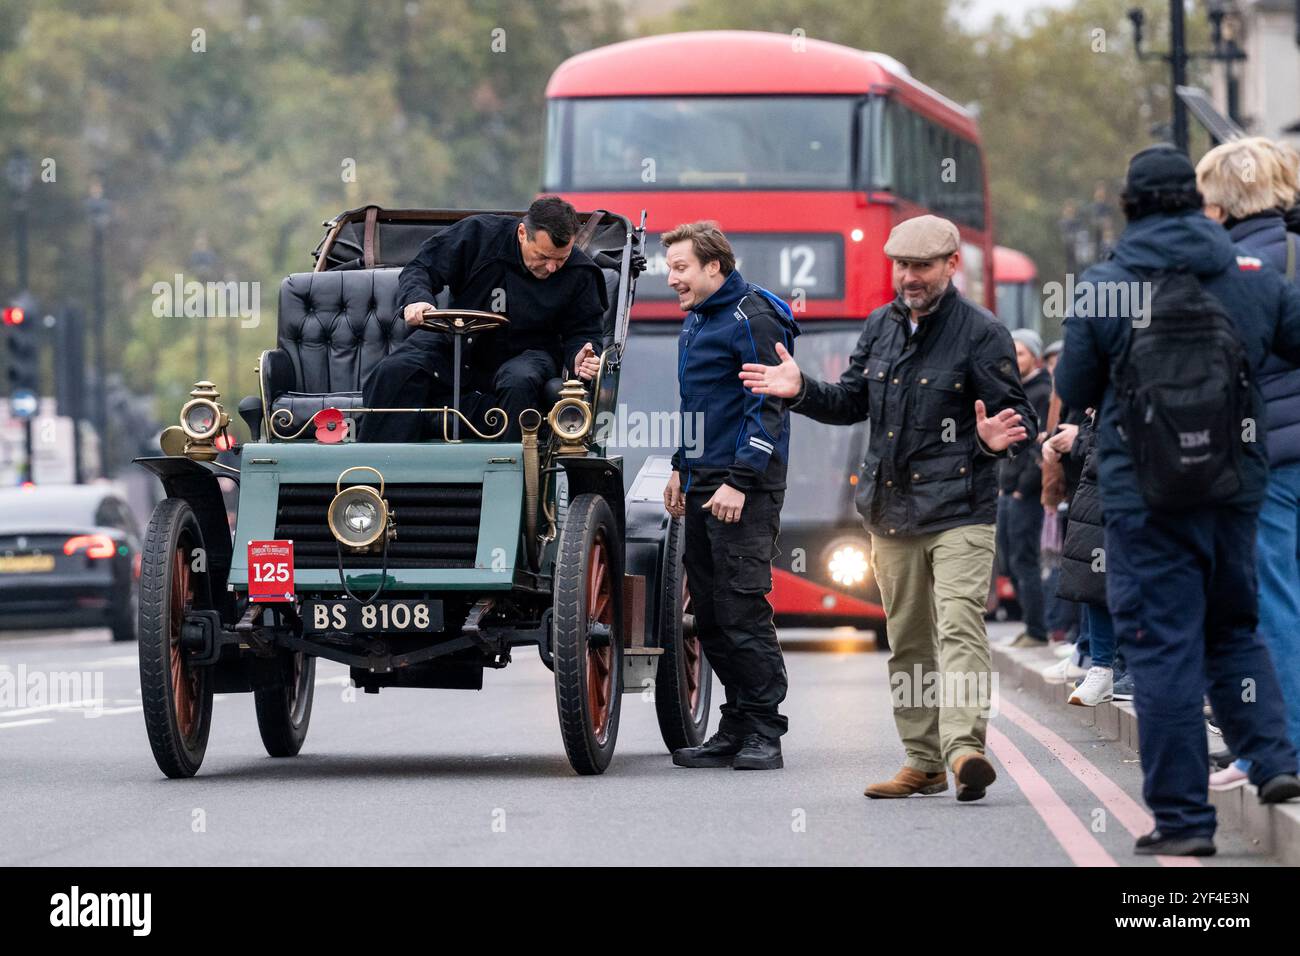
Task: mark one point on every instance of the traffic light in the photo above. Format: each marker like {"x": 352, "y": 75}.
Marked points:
{"x": 20, "y": 344}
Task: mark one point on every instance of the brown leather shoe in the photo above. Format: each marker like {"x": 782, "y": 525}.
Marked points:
{"x": 907, "y": 782}
{"x": 974, "y": 774}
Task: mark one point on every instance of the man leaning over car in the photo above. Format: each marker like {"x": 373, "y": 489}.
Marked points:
{"x": 926, "y": 372}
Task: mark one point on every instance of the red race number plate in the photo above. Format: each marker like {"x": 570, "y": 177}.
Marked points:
{"x": 270, "y": 571}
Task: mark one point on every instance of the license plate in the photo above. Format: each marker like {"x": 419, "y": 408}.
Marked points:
{"x": 377, "y": 616}
{"x": 270, "y": 571}
{"x": 27, "y": 564}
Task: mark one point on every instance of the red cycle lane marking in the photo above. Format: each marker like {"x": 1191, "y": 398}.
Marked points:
{"x": 1119, "y": 804}
{"x": 1080, "y": 845}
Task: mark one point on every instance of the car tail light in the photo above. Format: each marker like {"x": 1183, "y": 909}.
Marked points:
{"x": 95, "y": 545}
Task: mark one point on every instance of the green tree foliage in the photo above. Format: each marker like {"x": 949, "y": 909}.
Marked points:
{"x": 236, "y": 127}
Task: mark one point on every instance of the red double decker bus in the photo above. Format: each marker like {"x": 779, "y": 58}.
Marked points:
{"x": 1015, "y": 280}
{"x": 806, "y": 153}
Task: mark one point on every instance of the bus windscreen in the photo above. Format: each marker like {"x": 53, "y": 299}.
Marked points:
{"x": 820, "y": 489}
{"x": 700, "y": 142}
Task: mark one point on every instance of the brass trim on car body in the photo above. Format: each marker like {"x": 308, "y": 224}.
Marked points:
{"x": 490, "y": 416}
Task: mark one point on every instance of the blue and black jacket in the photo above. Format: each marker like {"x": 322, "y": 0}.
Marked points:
{"x": 730, "y": 435}
{"x": 1264, "y": 309}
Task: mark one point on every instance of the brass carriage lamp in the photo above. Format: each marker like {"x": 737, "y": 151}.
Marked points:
{"x": 571, "y": 418}
{"x": 359, "y": 516}
{"x": 202, "y": 420}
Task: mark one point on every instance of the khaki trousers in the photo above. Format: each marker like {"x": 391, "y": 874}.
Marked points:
{"x": 934, "y": 588}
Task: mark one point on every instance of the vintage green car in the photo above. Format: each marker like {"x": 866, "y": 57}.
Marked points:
{"x": 420, "y": 564}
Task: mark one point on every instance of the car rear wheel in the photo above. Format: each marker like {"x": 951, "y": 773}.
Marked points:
{"x": 126, "y": 616}
{"x": 587, "y": 633}
{"x": 284, "y": 709}
{"x": 684, "y": 680}
{"x": 177, "y": 696}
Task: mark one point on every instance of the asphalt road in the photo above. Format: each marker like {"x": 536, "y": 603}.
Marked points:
{"x": 459, "y": 777}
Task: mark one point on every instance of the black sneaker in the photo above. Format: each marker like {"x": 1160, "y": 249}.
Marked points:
{"x": 718, "y": 751}
{"x": 759, "y": 753}
{"x": 1222, "y": 759}
{"x": 1279, "y": 789}
{"x": 1156, "y": 843}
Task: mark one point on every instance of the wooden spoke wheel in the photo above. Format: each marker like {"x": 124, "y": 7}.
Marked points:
{"x": 176, "y": 695}
{"x": 587, "y": 633}
{"x": 284, "y": 708}
{"x": 684, "y": 680}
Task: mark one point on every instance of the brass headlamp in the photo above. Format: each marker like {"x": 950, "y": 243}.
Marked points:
{"x": 359, "y": 516}
{"x": 571, "y": 418}
{"x": 202, "y": 420}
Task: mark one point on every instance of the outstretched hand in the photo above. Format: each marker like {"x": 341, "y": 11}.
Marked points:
{"x": 782, "y": 380}
{"x": 1002, "y": 430}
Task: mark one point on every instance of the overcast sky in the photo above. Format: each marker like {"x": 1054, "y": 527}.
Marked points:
{"x": 980, "y": 13}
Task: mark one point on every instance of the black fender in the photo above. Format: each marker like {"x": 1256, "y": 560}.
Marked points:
{"x": 648, "y": 528}
{"x": 600, "y": 476}
{"x": 196, "y": 483}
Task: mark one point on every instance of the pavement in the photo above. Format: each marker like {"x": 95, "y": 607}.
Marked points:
{"x": 461, "y": 777}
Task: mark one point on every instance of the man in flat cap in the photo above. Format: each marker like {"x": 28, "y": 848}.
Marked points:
{"x": 936, "y": 376}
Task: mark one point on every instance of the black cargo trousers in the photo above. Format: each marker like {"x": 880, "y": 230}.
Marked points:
{"x": 728, "y": 575}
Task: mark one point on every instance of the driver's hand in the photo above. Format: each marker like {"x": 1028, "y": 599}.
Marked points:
{"x": 414, "y": 313}
{"x": 586, "y": 363}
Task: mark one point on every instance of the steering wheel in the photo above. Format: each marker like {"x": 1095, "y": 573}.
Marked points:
{"x": 460, "y": 321}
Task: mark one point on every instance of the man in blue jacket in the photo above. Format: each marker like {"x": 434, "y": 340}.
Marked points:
{"x": 730, "y": 492}
{"x": 1181, "y": 584}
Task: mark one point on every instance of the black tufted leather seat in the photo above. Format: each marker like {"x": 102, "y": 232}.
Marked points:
{"x": 334, "y": 329}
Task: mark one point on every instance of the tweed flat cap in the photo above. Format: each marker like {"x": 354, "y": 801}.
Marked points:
{"x": 922, "y": 237}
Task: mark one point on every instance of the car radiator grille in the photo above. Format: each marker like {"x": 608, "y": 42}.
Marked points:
{"x": 437, "y": 526}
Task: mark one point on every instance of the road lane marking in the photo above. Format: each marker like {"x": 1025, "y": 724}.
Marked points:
{"x": 89, "y": 705}
{"x": 1118, "y": 803}
{"x": 1075, "y": 839}
{"x": 26, "y": 723}
{"x": 110, "y": 711}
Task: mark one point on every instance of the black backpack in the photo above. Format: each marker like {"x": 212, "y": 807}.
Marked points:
{"x": 1184, "y": 389}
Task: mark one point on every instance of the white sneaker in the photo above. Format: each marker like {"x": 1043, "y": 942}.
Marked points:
{"x": 1229, "y": 778}
{"x": 1063, "y": 670}
{"x": 1095, "y": 689}
{"x": 1064, "y": 650}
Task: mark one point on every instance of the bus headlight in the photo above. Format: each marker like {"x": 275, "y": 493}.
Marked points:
{"x": 848, "y": 563}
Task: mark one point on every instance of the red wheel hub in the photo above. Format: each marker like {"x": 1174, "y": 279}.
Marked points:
{"x": 600, "y": 657}
{"x": 185, "y": 680}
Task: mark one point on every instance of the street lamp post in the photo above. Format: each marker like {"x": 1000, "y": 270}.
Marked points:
{"x": 1178, "y": 56}
{"x": 100, "y": 212}
{"x": 203, "y": 263}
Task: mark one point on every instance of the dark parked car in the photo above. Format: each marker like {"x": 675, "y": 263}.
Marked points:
{"x": 69, "y": 557}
